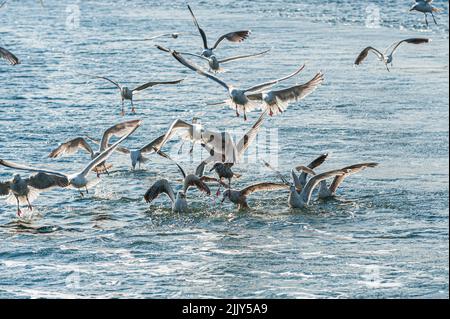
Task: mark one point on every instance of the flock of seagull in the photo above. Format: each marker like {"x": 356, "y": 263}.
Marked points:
{"x": 224, "y": 152}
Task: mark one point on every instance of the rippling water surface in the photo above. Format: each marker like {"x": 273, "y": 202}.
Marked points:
{"x": 384, "y": 236}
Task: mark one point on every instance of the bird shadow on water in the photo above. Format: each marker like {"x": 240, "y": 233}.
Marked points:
{"x": 22, "y": 226}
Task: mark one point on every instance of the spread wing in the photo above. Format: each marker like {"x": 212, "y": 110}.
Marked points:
{"x": 30, "y": 169}
{"x": 8, "y": 56}
{"x": 195, "y": 181}
{"x": 236, "y": 36}
{"x": 364, "y": 53}
{"x": 103, "y": 78}
{"x": 119, "y": 149}
{"x": 208, "y": 179}
{"x": 43, "y": 181}
{"x": 156, "y": 144}
{"x": 263, "y": 187}
{"x": 117, "y": 130}
{"x": 160, "y": 187}
{"x": 71, "y": 147}
{"x": 351, "y": 170}
{"x": 202, "y": 32}
{"x": 249, "y": 137}
{"x": 314, "y": 164}
{"x": 239, "y": 57}
{"x": 314, "y": 181}
{"x": 154, "y": 83}
{"x": 176, "y": 126}
{"x": 107, "y": 153}
{"x": 4, "y": 188}
{"x": 266, "y": 85}
{"x": 410, "y": 41}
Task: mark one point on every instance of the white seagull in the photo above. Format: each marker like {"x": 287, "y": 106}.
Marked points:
{"x": 238, "y": 98}
{"x": 80, "y": 143}
{"x": 237, "y": 36}
{"x": 213, "y": 62}
{"x": 127, "y": 94}
{"x": 78, "y": 180}
{"x": 385, "y": 57}
{"x": 425, "y": 7}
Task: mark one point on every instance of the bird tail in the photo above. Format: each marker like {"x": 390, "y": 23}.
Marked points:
{"x": 436, "y": 9}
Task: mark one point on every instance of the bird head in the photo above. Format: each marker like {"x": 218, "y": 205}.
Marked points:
{"x": 226, "y": 195}
{"x": 17, "y": 178}
{"x": 181, "y": 195}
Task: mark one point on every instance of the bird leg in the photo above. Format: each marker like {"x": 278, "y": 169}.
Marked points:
{"x": 237, "y": 111}
{"x": 106, "y": 168}
{"x": 133, "y": 110}
{"x": 192, "y": 149}
{"x": 387, "y": 67}
{"x": 81, "y": 193}
{"x": 29, "y": 204}
{"x": 123, "y": 108}
{"x": 19, "y": 212}
{"x": 87, "y": 191}
{"x": 432, "y": 14}
{"x": 426, "y": 19}
{"x": 245, "y": 114}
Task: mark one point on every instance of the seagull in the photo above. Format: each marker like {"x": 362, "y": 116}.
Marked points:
{"x": 213, "y": 62}
{"x": 238, "y": 98}
{"x": 425, "y": 7}
{"x": 385, "y": 57}
{"x": 302, "y": 199}
{"x": 328, "y": 192}
{"x": 78, "y": 143}
{"x": 78, "y": 180}
{"x": 8, "y": 56}
{"x": 25, "y": 191}
{"x": 300, "y": 181}
{"x": 137, "y": 155}
{"x": 230, "y": 153}
{"x": 277, "y": 101}
{"x": 237, "y": 36}
{"x": 127, "y": 94}
{"x": 240, "y": 197}
{"x": 179, "y": 203}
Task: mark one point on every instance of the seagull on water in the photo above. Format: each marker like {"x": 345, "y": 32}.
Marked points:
{"x": 80, "y": 143}
{"x": 425, "y": 6}
{"x": 237, "y": 36}
{"x": 179, "y": 202}
{"x": 239, "y": 197}
{"x": 127, "y": 94}
{"x": 25, "y": 191}
{"x": 300, "y": 181}
{"x": 385, "y": 57}
{"x": 213, "y": 62}
{"x": 78, "y": 180}
{"x": 238, "y": 98}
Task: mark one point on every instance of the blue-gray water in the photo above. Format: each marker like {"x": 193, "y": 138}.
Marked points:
{"x": 385, "y": 236}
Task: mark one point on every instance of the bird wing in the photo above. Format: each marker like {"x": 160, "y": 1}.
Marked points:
{"x": 30, "y": 169}
{"x": 283, "y": 179}
{"x": 197, "y": 69}
{"x": 263, "y": 187}
{"x": 174, "y": 128}
{"x": 351, "y": 170}
{"x": 236, "y": 36}
{"x": 43, "y": 181}
{"x": 117, "y": 130}
{"x": 119, "y": 149}
{"x": 226, "y": 60}
{"x": 156, "y": 144}
{"x": 8, "y": 56}
{"x": 107, "y": 153}
{"x": 200, "y": 170}
{"x": 160, "y": 187}
{"x": 314, "y": 181}
{"x": 71, "y": 147}
{"x": 154, "y": 83}
{"x": 245, "y": 142}
{"x": 410, "y": 41}
{"x": 364, "y": 53}
{"x": 202, "y": 32}
{"x": 104, "y": 78}
{"x": 266, "y": 85}
{"x": 314, "y": 164}
{"x": 208, "y": 179}
{"x": 297, "y": 182}
{"x": 4, "y": 188}
{"x": 195, "y": 181}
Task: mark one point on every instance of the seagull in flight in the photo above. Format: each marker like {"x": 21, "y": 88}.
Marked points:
{"x": 237, "y": 36}
{"x": 79, "y": 143}
{"x": 387, "y": 57}
{"x": 127, "y": 94}
{"x": 77, "y": 180}
{"x": 425, "y": 6}
{"x": 25, "y": 191}
{"x": 238, "y": 98}
{"x": 213, "y": 62}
